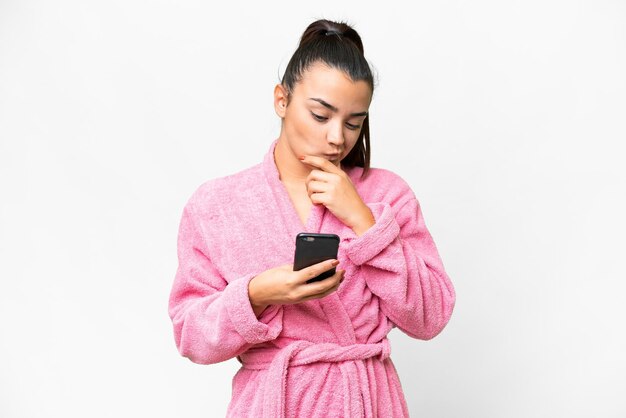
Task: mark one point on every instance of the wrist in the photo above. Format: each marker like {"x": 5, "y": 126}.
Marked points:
{"x": 365, "y": 221}
{"x": 258, "y": 306}
{"x": 258, "y": 309}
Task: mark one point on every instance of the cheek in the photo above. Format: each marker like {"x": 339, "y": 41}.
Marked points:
{"x": 304, "y": 129}
{"x": 351, "y": 140}
{"x": 350, "y": 143}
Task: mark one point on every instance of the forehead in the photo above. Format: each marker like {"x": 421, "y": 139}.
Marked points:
{"x": 335, "y": 87}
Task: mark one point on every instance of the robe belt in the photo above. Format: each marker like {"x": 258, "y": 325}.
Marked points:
{"x": 353, "y": 372}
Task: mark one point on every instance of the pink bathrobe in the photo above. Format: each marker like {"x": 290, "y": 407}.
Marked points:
{"x": 326, "y": 357}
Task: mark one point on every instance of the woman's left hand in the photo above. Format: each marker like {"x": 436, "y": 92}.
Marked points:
{"x": 330, "y": 186}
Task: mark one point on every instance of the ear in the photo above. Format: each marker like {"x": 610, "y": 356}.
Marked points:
{"x": 280, "y": 100}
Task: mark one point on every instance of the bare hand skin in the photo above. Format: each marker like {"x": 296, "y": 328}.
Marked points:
{"x": 330, "y": 186}
{"x": 283, "y": 286}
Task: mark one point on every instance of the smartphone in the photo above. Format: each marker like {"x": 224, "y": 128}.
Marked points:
{"x": 313, "y": 248}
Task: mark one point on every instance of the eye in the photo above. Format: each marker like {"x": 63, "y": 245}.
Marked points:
{"x": 318, "y": 117}
{"x": 323, "y": 118}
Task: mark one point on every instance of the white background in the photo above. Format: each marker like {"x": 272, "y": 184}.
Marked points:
{"x": 506, "y": 118}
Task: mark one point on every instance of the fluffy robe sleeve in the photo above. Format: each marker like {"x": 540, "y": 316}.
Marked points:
{"x": 212, "y": 316}
{"x": 400, "y": 264}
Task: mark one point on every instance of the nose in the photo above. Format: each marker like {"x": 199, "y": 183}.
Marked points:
{"x": 335, "y": 135}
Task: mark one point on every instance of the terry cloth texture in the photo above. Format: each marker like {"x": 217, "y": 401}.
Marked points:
{"x": 326, "y": 357}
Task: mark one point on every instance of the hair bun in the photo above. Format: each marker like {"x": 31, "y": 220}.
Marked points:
{"x": 322, "y": 29}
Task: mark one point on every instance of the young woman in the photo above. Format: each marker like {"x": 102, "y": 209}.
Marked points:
{"x": 314, "y": 349}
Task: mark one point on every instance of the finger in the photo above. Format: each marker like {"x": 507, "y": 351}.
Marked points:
{"x": 320, "y": 175}
{"x": 321, "y": 295}
{"x": 317, "y": 187}
{"x": 322, "y": 286}
{"x": 315, "y": 270}
{"x": 326, "y": 292}
{"x": 321, "y": 163}
{"x": 319, "y": 198}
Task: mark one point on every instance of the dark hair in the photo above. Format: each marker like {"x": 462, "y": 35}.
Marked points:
{"x": 339, "y": 46}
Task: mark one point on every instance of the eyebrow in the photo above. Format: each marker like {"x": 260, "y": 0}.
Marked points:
{"x": 333, "y": 108}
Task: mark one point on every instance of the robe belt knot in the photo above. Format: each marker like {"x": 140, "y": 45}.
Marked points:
{"x": 277, "y": 362}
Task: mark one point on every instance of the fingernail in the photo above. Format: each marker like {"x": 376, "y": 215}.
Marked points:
{"x": 301, "y": 157}
{"x": 335, "y": 262}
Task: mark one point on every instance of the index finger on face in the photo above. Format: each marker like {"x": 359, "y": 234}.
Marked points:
{"x": 321, "y": 163}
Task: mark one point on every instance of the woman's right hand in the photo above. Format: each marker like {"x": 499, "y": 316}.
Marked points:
{"x": 282, "y": 285}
